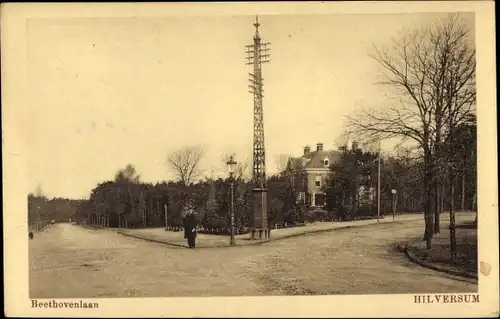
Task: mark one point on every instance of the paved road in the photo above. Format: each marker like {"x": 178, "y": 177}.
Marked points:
{"x": 68, "y": 261}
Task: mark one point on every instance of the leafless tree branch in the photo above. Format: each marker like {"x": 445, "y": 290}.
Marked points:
{"x": 185, "y": 163}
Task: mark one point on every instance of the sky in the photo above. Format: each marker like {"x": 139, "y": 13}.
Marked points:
{"x": 107, "y": 92}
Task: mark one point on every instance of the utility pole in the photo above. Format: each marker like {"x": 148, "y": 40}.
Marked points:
{"x": 451, "y": 163}
{"x": 258, "y": 53}
{"x": 378, "y": 181}
{"x": 453, "y": 243}
{"x": 166, "y": 218}
{"x": 38, "y": 219}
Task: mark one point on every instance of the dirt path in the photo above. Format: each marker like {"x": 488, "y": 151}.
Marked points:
{"x": 67, "y": 261}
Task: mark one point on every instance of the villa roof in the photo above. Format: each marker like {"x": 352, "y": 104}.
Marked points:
{"x": 314, "y": 159}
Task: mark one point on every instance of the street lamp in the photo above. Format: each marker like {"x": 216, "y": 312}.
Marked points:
{"x": 394, "y": 198}
{"x": 231, "y": 164}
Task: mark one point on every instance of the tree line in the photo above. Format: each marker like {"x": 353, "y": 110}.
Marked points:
{"x": 43, "y": 210}
{"x": 358, "y": 169}
{"x": 128, "y": 202}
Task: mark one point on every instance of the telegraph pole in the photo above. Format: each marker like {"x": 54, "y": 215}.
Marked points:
{"x": 166, "y": 219}
{"x": 38, "y": 218}
{"x": 257, "y": 54}
{"x": 451, "y": 163}
{"x": 378, "y": 182}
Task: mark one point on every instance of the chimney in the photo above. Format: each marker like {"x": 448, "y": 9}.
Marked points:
{"x": 307, "y": 149}
{"x": 355, "y": 145}
{"x": 319, "y": 147}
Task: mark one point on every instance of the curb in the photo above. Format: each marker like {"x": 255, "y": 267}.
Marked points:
{"x": 154, "y": 240}
{"x": 415, "y": 259}
{"x": 323, "y": 231}
{"x": 264, "y": 241}
{"x": 92, "y": 227}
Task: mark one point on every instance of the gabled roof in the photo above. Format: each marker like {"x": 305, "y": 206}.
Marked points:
{"x": 314, "y": 159}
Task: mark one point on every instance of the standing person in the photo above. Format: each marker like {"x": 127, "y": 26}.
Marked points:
{"x": 190, "y": 222}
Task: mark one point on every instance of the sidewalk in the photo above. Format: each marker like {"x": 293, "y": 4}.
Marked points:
{"x": 159, "y": 235}
{"x": 92, "y": 227}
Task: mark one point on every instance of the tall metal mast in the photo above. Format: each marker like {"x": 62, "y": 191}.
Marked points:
{"x": 257, "y": 54}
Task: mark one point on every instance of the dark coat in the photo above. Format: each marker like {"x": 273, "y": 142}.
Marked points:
{"x": 190, "y": 222}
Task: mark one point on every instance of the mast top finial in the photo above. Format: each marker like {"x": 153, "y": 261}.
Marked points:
{"x": 257, "y": 24}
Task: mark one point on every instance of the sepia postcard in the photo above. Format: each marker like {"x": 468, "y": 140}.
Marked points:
{"x": 274, "y": 159}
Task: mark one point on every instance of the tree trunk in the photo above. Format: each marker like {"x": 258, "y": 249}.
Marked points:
{"x": 428, "y": 211}
{"x": 436, "y": 166}
{"x": 463, "y": 190}
{"x": 437, "y": 211}
{"x": 453, "y": 240}
{"x": 474, "y": 202}
{"x": 474, "y": 205}
{"x": 442, "y": 198}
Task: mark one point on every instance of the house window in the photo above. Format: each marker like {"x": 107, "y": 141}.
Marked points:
{"x": 326, "y": 162}
{"x": 318, "y": 181}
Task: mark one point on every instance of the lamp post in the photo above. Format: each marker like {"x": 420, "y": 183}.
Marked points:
{"x": 231, "y": 164}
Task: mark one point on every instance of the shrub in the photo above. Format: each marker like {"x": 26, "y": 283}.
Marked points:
{"x": 320, "y": 214}
{"x": 310, "y": 216}
{"x": 291, "y": 217}
{"x": 343, "y": 213}
{"x": 364, "y": 211}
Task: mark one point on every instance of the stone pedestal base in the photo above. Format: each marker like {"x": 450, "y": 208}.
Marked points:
{"x": 261, "y": 234}
{"x": 260, "y": 229}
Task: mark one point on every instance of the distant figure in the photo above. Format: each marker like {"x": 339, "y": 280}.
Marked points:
{"x": 190, "y": 222}
{"x": 31, "y": 235}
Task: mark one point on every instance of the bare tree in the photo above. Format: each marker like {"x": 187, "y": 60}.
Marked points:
{"x": 282, "y": 162}
{"x": 432, "y": 70}
{"x": 185, "y": 163}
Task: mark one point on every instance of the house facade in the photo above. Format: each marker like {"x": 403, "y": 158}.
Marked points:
{"x": 311, "y": 172}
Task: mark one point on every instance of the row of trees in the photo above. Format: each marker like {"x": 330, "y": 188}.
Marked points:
{"x": 128, "y": 202}
{"x": 358, "y": 168}
{"x": 42, "y": 210}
